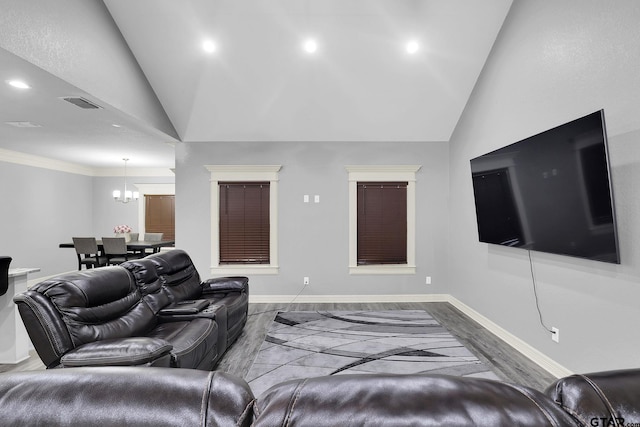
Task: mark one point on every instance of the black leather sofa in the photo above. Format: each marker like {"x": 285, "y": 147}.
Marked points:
{"x": 181, "y": 281}
{"x": 138, "y": 313}
{"x": 135, "y": 396}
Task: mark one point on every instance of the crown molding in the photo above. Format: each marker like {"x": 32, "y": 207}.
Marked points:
{"x": 243, "y": 172}
{"x": 133, "y": 172}
{"x": 16, "y": 157}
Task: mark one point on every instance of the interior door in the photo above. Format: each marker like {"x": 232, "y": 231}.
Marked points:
{"x": 160, "y": 215}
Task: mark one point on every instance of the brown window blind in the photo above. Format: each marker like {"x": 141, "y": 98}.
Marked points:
{"x": 244, "y": 222}
{"x": 382, "y": 223}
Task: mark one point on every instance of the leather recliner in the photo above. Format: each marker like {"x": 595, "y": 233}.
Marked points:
{"x": 117, "y": 315}
{"x": 98, "y": 317}
{"x": 134, "y": 396}
{"x": 181, "y": 281}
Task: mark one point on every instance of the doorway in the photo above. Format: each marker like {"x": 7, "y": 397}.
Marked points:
{"x": 160, "y": 215}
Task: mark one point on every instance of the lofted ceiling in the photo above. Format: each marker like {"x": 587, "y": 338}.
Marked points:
{"x": 259, "y": 84}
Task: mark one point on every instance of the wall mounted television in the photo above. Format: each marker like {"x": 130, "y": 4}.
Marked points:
{"x": 550, "y": 192}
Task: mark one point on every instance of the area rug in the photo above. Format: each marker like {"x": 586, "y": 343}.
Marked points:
{"x": 302, "y": 344}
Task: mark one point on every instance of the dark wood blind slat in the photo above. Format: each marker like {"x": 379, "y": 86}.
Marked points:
{"x": 244, "y": 222}
{"x": 382, "y": 223}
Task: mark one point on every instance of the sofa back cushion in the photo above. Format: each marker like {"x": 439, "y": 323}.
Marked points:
{"x": 124, "y": 396}
{"x": 98, "y": 304}
{"x": 610, "y": 398}
{"x": 178, "y": 274}
{"x": 398, "y": 400}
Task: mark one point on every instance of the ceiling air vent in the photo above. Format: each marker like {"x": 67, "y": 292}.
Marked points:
{"x": 82, "y": 103}
{"x": 23, "y": 124}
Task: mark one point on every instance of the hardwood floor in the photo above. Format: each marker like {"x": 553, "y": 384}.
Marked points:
{"x": 507, "y": 363}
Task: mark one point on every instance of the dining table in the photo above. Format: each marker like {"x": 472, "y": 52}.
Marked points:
{"x": 133, "y": 245}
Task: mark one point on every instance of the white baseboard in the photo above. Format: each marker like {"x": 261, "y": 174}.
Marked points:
{"x": 519, "y": 345}
{"x": 542, "y": 360}
{"x": 289, "y": 299}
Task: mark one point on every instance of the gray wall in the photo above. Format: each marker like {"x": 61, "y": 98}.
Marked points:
{"x": 313, "y": 238}
{"x": 42, "y": 208}
{"x": 554, "y": 62}
{"x": 107, "y": 213}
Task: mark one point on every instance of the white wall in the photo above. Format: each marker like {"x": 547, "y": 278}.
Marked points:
{"x": 313, "y": 238}
{"x": 555, "y": 61}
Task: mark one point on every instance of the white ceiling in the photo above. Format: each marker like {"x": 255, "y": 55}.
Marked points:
{"x": 260, "y": 85}
{"x": 66, "y": 132}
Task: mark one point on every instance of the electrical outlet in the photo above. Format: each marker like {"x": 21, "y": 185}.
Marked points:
{"x": 428, "y": 280}
{"x": 555, "y": 334}
{"x": 305, "y": 281}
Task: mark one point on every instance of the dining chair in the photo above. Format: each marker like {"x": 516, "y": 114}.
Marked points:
{"x": 88, "y": 253}
{"x": 4, "y": 274}
{"x": 115, "y": 249}
{"x": 134, "y": 237}
{"x": 153, "y": 237}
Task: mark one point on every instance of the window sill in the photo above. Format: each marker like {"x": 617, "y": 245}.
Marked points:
{"x": 244, "y": 269}
{"x": 382, "y": 269}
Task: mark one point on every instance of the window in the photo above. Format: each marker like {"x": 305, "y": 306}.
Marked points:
{"x": 244, "y": 219}
{"x": 382, "y": 223}
{"x": 382, "y": 219}
{"x": 244, "y": 222}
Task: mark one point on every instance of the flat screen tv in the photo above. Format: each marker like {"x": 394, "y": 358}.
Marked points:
{"x": 550, "y": 192}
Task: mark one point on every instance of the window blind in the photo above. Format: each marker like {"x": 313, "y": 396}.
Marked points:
{"x": 244, "y": 222}
{"x": 382, "y": 223}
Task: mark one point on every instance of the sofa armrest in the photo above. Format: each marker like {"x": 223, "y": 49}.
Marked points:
{"x": 213, "y": 311}
{"x": 609, "y": 397}
{"x": 120, "y": 352}
{"x": 225, "y": 285}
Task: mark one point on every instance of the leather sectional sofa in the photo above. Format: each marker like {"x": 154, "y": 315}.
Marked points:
{"x": 152, "y": 312}
{"x": 136, "y": 396}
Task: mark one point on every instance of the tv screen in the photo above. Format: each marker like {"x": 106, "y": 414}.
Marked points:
{"x": 550, "y": 193}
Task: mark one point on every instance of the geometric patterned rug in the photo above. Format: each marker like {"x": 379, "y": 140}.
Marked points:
{"x": 302, "y": 344}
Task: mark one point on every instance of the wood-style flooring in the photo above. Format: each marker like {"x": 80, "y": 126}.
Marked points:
{"x": 507, "y": 363}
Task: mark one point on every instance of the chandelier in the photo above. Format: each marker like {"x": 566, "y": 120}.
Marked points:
{"x": 126, "y": 196}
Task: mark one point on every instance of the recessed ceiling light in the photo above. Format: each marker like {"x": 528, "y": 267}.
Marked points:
{"x": 412, "y": 47}
{"x": 310, "y": 46}
{"x": 209, "y": 46}
{"x": 18, "y": 84}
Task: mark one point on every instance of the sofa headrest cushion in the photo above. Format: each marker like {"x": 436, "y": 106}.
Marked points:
{"x": 87, "y": 288}
{"x": 178, "y": 274}
{"x": 98, "y": 304}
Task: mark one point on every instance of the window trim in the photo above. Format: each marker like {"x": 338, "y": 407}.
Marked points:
{"x": 382, "y": 173}
{"x": 244, "y": 173}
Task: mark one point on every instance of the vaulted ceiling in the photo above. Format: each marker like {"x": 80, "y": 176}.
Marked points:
{"x": 258, "y": 83}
